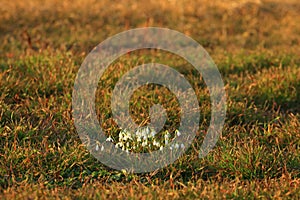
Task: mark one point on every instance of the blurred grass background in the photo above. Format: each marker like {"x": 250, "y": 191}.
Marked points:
{"x": 254, "y": 43}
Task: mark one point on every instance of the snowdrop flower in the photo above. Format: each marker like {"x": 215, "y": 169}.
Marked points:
{"x": 155, "y": 143}
{"x": 144, "y": 134}
{"x": 138, "y": 133}
{"x": 144, "y": 143}
{"x": 178, "y": 133}
{"x": 145, "y": 137}
{"x": 176, "y": 146}
{"x": 128, "y": 135}
{"x": 147, "y": 130}
{"x": 153, "y": 133}
{"x": 119, "y": 144}
{"x": 182, "y": 146}
{"x": 139, "y": 139}
{"x": 121, "y": 135}
{"x": 102, "y": 148}
{"x": 167, "y": 135}
{"x": 97, "y": 147}
{"x": 166, "y": 142}
{"x": 109, "y": 139}
{"x": 161, "y": 148}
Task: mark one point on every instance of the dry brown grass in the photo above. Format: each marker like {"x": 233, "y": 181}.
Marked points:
{"x": 255, "y": 44}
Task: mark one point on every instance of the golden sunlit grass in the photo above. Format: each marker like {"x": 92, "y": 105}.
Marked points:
{"x": 255, "y": 45}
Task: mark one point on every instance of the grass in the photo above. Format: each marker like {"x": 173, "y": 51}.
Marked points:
{"x": 255, "y": 45}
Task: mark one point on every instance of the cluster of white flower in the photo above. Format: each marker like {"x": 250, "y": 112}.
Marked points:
{"x": 143, "y": 140}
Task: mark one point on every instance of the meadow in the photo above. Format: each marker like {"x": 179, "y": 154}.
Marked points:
{"x": 255, "y": 45}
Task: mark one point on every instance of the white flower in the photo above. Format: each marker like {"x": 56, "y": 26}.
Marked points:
{"x": 97, "y": 147}
{"x": 167, "y": 135}
{"x": 176, "y": 146}
{"x": 182, "y": 146}
{"x": 109, "y": 139}
{"x": 161, "y": 148}
{"x": 125, "y": 138}
{"x": 102, "y": 148}
{"x": 138, "y": 133}
{"x": 155, "y": 143}
{"x": 144, "y": 134}
{"x": 145, "y": 137}
{"x": 121, "y": 135}
{"x": 119, "y": 144}
{"x": 139, "y": 139}
{"x": 127, "y": 135}
{"x": 166, "y": 142}
{"x": 144, "y": 143}
{"x": 153, "y": 133}
{"x": 178, "y": 133}
{"x": 147, "y": 130}
{"x": 124, "y": 135}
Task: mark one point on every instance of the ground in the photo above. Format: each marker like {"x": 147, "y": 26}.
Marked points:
{"x": 255, "y": 45}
